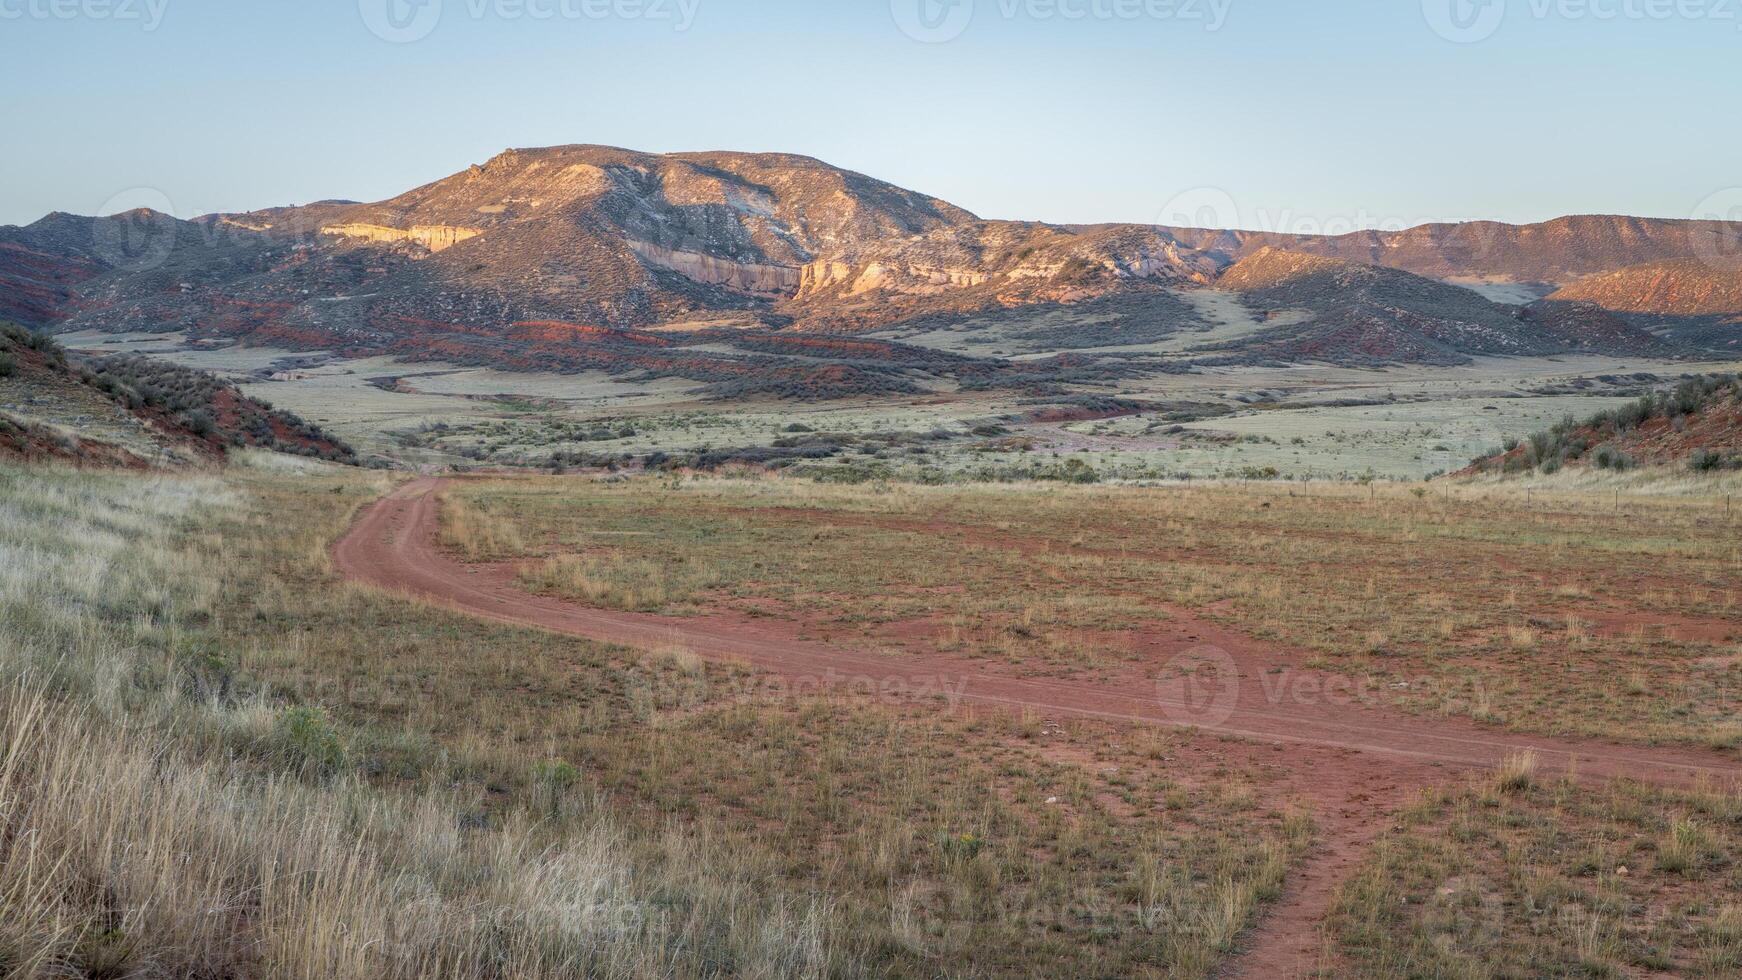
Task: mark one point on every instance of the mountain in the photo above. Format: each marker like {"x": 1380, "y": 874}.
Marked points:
{"x": 42, "y": 265}
{"x": 598, "y": 234}
{"x": 1697, "y": 302}
{"x": 1001, "y": 264}
{"x": 606, "y": 242}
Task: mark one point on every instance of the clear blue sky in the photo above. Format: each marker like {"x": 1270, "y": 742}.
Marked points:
{"x": 1291, "y": 114}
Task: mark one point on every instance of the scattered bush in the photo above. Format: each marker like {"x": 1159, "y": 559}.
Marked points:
{"x": 310, "y": 739}
{"x": 1570, "y": 439}
{"x": 961, "y": 847}
{"x": 1710, "y": 461}
{"x": 191, "y": 397}
{"x": 1610, "y": 458}
{"x": 199, "y": 422}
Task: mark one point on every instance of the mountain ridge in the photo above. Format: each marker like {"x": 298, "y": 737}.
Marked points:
{"x": 625, "y": 240}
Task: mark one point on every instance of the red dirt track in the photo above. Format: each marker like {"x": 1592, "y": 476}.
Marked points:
{"x": 1363, "y": 758}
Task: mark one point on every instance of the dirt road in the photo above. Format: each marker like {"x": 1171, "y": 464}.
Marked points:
{"x": 1234, "y": 687}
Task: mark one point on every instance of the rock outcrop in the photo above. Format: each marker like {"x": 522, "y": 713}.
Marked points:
{"x": 743, "y": 277}
{"x": 435, "y": 238}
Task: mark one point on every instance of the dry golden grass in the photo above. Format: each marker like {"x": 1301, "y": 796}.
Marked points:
{"x": 1549, "y": 879}
{"x": 183, "y": 668}
{"x": 150, "y": 857}
{"x": 614, "y": 580}
{"x": 220, "y": 724}
{"x": 1515, "y": 606}
{"x": 470, "y": 529}
{"x": 166, "y": 817}
{"x": 1518, "y": 772}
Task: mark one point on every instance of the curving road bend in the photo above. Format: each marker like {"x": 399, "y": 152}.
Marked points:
{"x": 1363, "y": 760}
{"x": 393, "y": 546}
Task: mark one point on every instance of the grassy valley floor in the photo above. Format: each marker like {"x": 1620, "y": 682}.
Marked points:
{"x": 1601, "y": 614}
{"x": 220, "y": 758}
{"x": 243, "y": 732}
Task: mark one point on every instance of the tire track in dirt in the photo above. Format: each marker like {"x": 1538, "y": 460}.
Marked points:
{"x": 1366, "y": 759}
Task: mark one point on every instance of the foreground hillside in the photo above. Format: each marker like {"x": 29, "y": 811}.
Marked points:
{"x": 1698, "y": 425}
{"x": 133, "y": 411}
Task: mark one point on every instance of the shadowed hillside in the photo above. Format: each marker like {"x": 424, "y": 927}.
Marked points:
{"x": 133, "y": 411}
{"x": 1344, "y": 312}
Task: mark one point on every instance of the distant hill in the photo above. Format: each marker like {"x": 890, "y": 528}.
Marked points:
{"x": 603, "y": 235}
{"x": 133, "y": 411}
{"x": 1679, "y": 287}
{"x": 1344, "y": 312}
{"x": 1588, "y": 327}
{"x": 1557, "y": 251}
{"x": 1697, "y": 302}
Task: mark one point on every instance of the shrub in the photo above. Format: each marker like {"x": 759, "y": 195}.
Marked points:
{"x": 1708, "y": 460}
{"x": 961, "y": 847}
{"x": 1518, "y": 772}
{"x": 1561, "y": 443}
{"x": 1610, "y": 458}
{"x": 1077, "y": 471}
{"x": 198, "y": 422}
{"x": 556, "y": 773}
{"x": 8, "y": 364}
{"x": 310, "y": 738}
